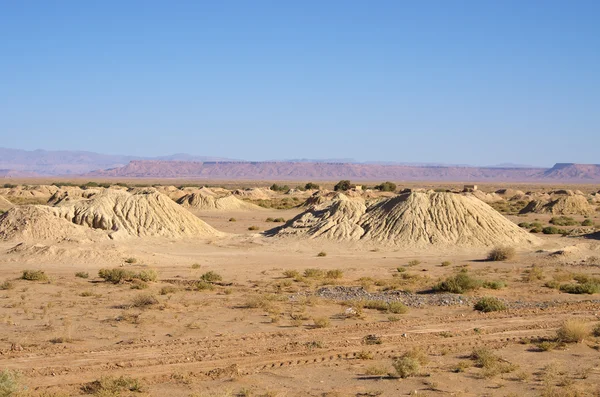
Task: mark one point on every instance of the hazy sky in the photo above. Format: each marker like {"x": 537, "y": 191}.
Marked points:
{"x": 478, "y": 82}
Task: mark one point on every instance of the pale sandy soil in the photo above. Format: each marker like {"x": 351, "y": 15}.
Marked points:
{"x": 254, "y": 334}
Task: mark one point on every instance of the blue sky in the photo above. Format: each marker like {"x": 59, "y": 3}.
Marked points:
{"x": 477, "y": 82}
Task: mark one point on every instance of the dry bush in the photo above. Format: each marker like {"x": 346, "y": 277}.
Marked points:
{"x": 144, "y": 300}
{"x": 459, "y": 284}
{"x": 572, "y": 331}
{"x": 501, "y": 254}
{"x": 291, "y": 274}
{"x": 119, "y": 275}
{"x": 489, "y": 304}
{"x": 82, "y": 274}
{"x": 334, "y": 274}
{"x": 168, "y": 289}
{"x": 112, "y": 386}
{"x": 252, "y": 228}
{"x": 9, "y": 383}
{"x": 322, "y": 254}
{"x": 34, "y": 275}
{"x": 491, "y": 364}
{"x": 204, "y": 286}
{"x": 211, "y": 277}
{"x": 321, "y": 322}
{"x": 131, "y": 261}
{"x": 376, "y": 370}
{"x": 314, "y": 273}
{"x": 409, "y": 364}
{"x": 6, "y": 285}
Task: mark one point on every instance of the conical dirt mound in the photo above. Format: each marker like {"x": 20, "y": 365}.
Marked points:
{"x": 337, "y": 219}
{"x": 206, "y": 202}
{"x": 143, "y": 213}
{"x": 40, "y": 223}
{"x": 410, "y": 220}
{"x": 5, "y": 205}
{"x": 563, "y": 205}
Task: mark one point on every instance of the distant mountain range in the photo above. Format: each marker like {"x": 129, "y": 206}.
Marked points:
{"x": 22, "y": 163}
{"x": 575, "y": 173}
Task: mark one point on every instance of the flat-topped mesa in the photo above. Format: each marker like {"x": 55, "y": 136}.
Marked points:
{"x": 417, "y": 219}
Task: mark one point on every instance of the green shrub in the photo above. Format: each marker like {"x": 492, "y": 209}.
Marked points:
{"x": 446, "y": 263}
{"x": 34, "y": 275}
{"x": 414, "y": 262}
{"x": 311, "y": 186}
{"x": 489, "y": 304}
{"x": 196, "y": 266}
{"x": 322, "y": 254}
{"x": 458, "y": 284}
{"x": 269, "y": 219}
{"x": 276, "y": 188}
{"x": 279, "y": 220}
{"x": 119, "y": 275}
{"x": 501, "y": 254}
{"x": 131, "y": 260}
{"x": 343, "y": 186}
{"x": 148, "y": 275}
{"x": 397, "y": 308}
{"x": 525, "y": 225}
{"x": 587, "y": 222}
{"x": 585, "y": 288}
{"x": 204, "y": 286}
{"x": 252, "y": 228}
{"x": 386, "y": 187}
{"x": 553, "y": 230}
{"x": 111, "y": 386}
{"x": 563, "y": 221}
{"x": 211, "y": 277}
{"x": 82, "y": 274}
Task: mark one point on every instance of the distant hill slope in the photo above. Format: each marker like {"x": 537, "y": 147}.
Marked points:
{"x": 571, "y": 171}
{"x": 354, "y": 171}
{"x": 16, "y": 162}
{"x": 332, "y": 171}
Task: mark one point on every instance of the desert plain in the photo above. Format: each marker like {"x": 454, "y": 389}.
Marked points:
{"x": 234, "y": 289}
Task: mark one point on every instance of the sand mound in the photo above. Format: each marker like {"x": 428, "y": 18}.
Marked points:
{"x": 40, "y": 223}
{"x": 67, "y": 195}
{"x": 206, "y": 202}
{"x": 29, "y": 191}
{"x": 485, "y": 197}
{"x": 5, "y": 205}
{"x": 563, "y": 205}
{"x": 409, "y": 220}
{"x": 143, "y": 213}
{"x": 507, "y": 193}
{"x": 255, "y": 193}
{"x": 319, "y": 197}
{"x": 337, "y": 219}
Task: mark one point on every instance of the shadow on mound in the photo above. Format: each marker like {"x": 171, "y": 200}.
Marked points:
{"x": 593, "y": 236}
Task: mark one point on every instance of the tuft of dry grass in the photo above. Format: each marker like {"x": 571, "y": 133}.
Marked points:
{"x": 572, "y": 331}
{"x": 501, "y": 254}
{"x": 409, "y": 364}
{"x": 321, "y": 322}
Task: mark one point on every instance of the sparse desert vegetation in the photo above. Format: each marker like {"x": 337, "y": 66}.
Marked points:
{"x": 222, "y": 314}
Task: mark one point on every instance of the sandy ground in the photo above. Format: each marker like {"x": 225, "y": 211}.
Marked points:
{"x": 260, "y": 333}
